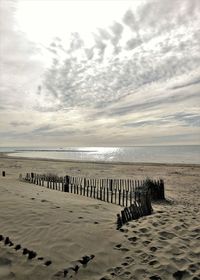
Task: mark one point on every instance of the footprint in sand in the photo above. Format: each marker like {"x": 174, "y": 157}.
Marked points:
{"x": 194, "y": 267}
{"x": 125, "y": 264}
{"x": 143, "y": 230}
{"x": 118, "y": 246}
{"x": 177, "y": 228}
{"x": 146, "y": 242}
{"x": 47, "y": 263}
{"x": 153, "y": 249}
{"x": 115, "y": 271}
{"x": 153, "y": 262}
{"x": 155, "y": 224}
{"x": 123, "y": 230}
{"x": 180, "y": 274}
{"x": 167, "y": 235}
{"x": 132, "y": 239}
{"x": 124, "y": 249}
{"x": 155, "y": 277}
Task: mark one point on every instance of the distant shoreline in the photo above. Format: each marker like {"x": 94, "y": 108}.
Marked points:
{"x": 7, "y": 156}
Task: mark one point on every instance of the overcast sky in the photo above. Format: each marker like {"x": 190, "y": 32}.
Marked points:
{"x": 99, "y": 73}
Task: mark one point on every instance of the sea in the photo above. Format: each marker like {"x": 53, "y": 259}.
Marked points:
{"x": 188, "y": 154}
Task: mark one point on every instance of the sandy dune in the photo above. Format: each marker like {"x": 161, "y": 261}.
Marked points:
{"x": 75, "y": 237}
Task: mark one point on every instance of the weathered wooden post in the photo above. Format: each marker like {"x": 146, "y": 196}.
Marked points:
{"x": 87, "y": 188}
{"x": 66, "y": 185}
{"x": 111, "y": 185}
{"x": 123, "y": 197}
{"x": 130, "y": 197}
{"x": 162, "y": 189}
{"x": 27, "y": 177}
{"x": 107, "y": 194}
{"x": 104, "y": 194}
{"x": 119, "y": 191}
{"x": 119, "y": 221}
{"x": 100, "y": 193}
{"x": 91, "y": 187}
{"x": 111, "y": 198}
{"x": 126, "y": 198}
{"x": 71, "y": 183}
{"x": 32, "y": 177}
{"x": 84, "y": 186}
{"x": 123, "y": 217}
{"x": 62, "y": 184}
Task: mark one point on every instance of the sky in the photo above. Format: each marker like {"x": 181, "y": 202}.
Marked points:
{"x": 99, "y": 73}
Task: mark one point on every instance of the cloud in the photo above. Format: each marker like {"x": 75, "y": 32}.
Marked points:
{"x": 16, "y": 124}
{"x": 76, "y": 42}
{"x": 195, "y": 82}
{"x": 117, "y": 30}
{"x": 183, "y": 119}
{"x": 142, "y": 71}
{"x": 18, "y": 63}
{"x": 159, "y": 59}
{"x": 130, "y": 21}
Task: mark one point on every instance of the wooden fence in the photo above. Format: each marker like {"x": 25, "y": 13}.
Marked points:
{"x": 141, "y": 207}
{"x": 134, "y": 195}
{"x": 118, "y": 191}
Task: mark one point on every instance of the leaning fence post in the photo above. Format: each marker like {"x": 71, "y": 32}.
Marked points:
{"x": 119, "y": 221}
{"x": 123, "y": 217}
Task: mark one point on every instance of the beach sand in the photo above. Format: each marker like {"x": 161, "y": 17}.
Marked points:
{"x": 62, "y": 227}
